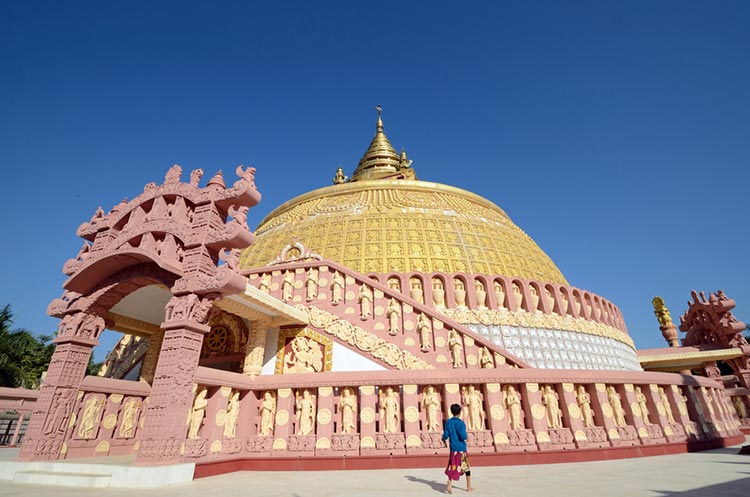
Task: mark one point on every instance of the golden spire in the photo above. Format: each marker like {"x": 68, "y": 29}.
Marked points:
{"x": 381, "y": 159}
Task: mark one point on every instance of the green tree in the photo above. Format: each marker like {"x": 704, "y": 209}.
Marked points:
{"x": 23, "y": 356}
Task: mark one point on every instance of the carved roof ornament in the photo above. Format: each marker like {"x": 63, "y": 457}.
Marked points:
{"x": 182, "y": 228}
{"x": 710, "y": 321}
{"x": 381, "y": 161}
{"x": 295, "y": 252}
{"x": 340, "y": 176}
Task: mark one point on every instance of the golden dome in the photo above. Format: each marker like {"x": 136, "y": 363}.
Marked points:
{"x": 384, "y": 220}
{"x": 383, "y": 226}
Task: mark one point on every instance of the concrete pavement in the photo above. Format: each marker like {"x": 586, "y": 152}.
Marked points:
{"x": 714, "y": 473}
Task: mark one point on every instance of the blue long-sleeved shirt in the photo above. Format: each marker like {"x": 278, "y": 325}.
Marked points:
{"x": 455, "y": 431}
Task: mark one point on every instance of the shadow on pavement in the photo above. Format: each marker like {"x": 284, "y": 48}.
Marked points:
{"x": 439, "y": 486}
{"x": 735, "y": 488}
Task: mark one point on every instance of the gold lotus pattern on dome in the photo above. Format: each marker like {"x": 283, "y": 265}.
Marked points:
{"x": 384, "y": 226}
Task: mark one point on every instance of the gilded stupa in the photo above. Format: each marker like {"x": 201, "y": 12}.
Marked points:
{"x": 384, "y": 222}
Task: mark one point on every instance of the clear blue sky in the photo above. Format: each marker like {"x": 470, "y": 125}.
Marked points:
{"x": 615, "y": 133}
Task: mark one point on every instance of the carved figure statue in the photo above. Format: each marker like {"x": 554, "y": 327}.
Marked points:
{"x": 709, "y": 403}
{"x": 499, "y": 294}
{"x": 267, "y": 414}
{"x": 424, "y": 327}
{"x": 305, "y": 412}
{"x": 337, "y": 287}
{"x": 584, "y": 403}
{"x": 287, "y": 286}
{"x": 740, "y": 407}
{"x": 438, "y": 292}
{"x": 348, "y": 410}
{"x": 365, "y": 301}
{"x": 665, "y": 403}
{"x": 311, "y": 284}
{"x": 130, "y": 412}
{"x": 661, "y": 312}
{"x": 455, "y": 344}
{"x": 481, "y": 294}
{"x": 416, "y": 291}
{"x": 431, "y": 407}
{"x": 394, "y": 317}
{"x": 513, "y": 404}
{"x": 173, "y": 174}
{"x": 60, "y": 410}
{"x": 551, "y": 407}
{"x": 517, "y": 295}
{"x": 394, "y": 284}
{"x": 195, "y": 176}
{"x": 640, "y": 398}
{"x": 472, "y": 401}
{"x": 459, "y": 293}
{"x": 233, "y": 414}
{"x": 390, "y": 411}
{"x": 305, "y": 356}
{"x": 485, "y": 358}
{"x": 616, "y": 403}
{"x": 231, "y": 258}
{"x": 90, "y": 417}
{"x": 265, "y": 283}
{"x": 197, "y": 413}
{"x": 340, "y": 177}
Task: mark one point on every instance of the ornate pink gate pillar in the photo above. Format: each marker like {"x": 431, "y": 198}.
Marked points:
{"x": 77, "y": 335}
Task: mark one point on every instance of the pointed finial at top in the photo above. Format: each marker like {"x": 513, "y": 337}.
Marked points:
{"x": 380, "y": 120}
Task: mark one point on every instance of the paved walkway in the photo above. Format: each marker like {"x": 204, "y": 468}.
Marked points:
{"x": 714, "y": 473}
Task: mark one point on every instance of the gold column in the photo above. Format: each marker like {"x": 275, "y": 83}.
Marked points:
{"x": 256, "y": 345}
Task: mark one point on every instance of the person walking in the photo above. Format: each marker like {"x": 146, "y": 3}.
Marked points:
{"x": 458, "y": 461}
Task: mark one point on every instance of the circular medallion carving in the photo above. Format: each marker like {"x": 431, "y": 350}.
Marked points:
{"x": 109, "y": 421}
{"x": 102, "y": 447}
{"x": 410, "y": 389}
{"x": 282, "y": 418}
{"x": 216, "y": 446}
{"x": 413, "y": 441}
{"x": 497, "y": 412}
{"x": 580, "y": 436}
{"x": 438, "y": 325}
{"x": 468, "y": 341}
{"x": 532, "y": 387}
{"x": 451, "y": 388}
{"x": 613, "y": 434}
{"x": 568, "y": 387}
{"x": 439, "y": 342}
{"x": 472, "y": 360}
{"x": 367, "y": 415}
{"x": 629, "y": 387}
{"x": 501, "y": 439}
{"x": 668, "y": 431}
{"x": 635, "y": 408}
{"x": 324, "y": 416}
{"x": 116, "y": 398}
{"x": 367, "y": 389}
{"x": 379, "y": 311}
{"x": 323, "y": 443}
{"x": 367, "y": 443}
{"x": 441, "y": 359}
{"x": 221, "y": 417}
{"x": 493, "y": 387}
{"x": 349, "y": 295}
{"x": 284, "y": 393}
{"x": 537, "y": 411}
{"x": 607, "y": 410}
{"x": 642, "y": 432}
{"x": 574, "y": 411}
{"x": 600, "y": 387}
{"x": 409, "y": 325}
{"x": 409, "y": 342}
{"x": 661, "y": 410}
{"x": 279, "y": 444}
{"x": 325, "y": 391}
{"x": 542, "y": 437}
{"x": 411, "y": 414}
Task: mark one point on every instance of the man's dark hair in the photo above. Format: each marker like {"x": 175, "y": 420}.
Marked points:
{"x": 455, "y": 409}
